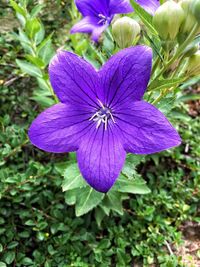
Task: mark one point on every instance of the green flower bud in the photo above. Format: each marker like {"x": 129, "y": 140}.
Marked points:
{"x": 125, "y": 30}
{"x": 195, "y": 7}
{"x": 189, "y": 20}
{"x": 168, "y": 19}
{"x": 193, "y": 67}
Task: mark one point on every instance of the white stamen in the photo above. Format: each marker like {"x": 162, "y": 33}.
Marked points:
{"x": 102, "y": 116}
{"x": 103, "y": 19}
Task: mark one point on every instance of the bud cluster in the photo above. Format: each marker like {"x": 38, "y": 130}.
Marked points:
{"x": 176, "y": 20}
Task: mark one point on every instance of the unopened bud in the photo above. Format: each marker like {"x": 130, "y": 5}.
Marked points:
{"x": 195, "y": 7}
{"x": 193, "y": 67}
{"x": 167, "y": 20}
{"x": 189, "y": 20}
{"x": 125, "y": 30}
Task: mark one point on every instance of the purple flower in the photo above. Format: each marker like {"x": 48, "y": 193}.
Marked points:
{"x": 149, "y": 5}
{"x": 102, "y": 115}
{"x": 98, "y": 14}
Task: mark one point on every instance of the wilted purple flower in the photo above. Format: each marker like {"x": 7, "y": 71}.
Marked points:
{"x": 149, "y": 5}
{"x": 98, "y": 14}
{"x": 102, "y": 115}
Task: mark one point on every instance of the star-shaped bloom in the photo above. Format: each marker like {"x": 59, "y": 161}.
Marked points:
{"x": 101, "y": 114}
{"x": 98, "y": 14}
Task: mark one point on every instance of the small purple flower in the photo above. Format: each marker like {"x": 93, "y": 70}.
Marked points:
{"x": 102, "y": 115}
{"x": 98, "y": 14}
{"x": 149, "y": 5}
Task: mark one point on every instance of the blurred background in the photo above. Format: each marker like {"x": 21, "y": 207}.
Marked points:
{"x": 38, "y": 227}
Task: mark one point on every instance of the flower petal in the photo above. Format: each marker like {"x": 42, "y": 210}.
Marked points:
{"x": 101, "y": 157}
{"x": 149, "y": 5}
{"x": 125, "y": 76}
{"x": 98, "y": 31}
{"x": 59, "y": 128}
{"x": 146, "y": 130}
{"x": 120, "y": 7}
{"x": 86, "y": 25}
{"x": 90, "y": 25}
{"x": 93, "y": 8}
{"x": 74, "y": 80}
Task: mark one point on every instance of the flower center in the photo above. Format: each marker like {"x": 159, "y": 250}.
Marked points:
{"x": 103, "y": 19}
{"x": 102, "y": 116}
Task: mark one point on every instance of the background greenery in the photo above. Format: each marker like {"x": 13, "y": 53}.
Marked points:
{"x": 39, "y": 225}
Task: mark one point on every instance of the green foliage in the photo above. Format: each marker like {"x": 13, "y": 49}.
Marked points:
{"x": 49, "y": 216}
{"x": 80, "y": 194}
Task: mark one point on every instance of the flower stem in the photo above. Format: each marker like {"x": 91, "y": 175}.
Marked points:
{"x": 178, "y": 53}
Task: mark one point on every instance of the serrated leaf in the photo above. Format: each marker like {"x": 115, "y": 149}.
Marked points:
{"x": 115, "y": 201}
{"x": 87, "y": 199}
{"x": 72, "y": 178}
{"x": 133, "y": 186}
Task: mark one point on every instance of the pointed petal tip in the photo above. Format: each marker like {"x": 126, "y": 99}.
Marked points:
{"x": 102, "y": 188}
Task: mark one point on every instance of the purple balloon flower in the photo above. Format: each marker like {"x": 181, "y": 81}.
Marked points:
{"x": 98, "y": 14}
{"x": 102, "y": 115}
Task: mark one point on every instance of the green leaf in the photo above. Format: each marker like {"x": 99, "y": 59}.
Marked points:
{"x": 70, "y": 197}
{"x": 32, "y": 27}
{"x": 46, "y": 52}
{"x": 36, "y": 61}
{"x": 9, "y": 257}
{"x": 2, "y": 264}
{"x": 72, "y": 178}
{"x": 12, "y": 244}
{"x": 144, "y": 16}
{"x": 39, "y": 36}
{"x": 36, "y": 10}
{"x": 87, "y": 199}
{"x": 115, "y": 200}
{"x": 188, "y": 97}
{"x": 166, "y": 104}
{"x": 27, "y": 261}
{"x": 18, "y": 8}
{"x": 29, "y": 68}
{"x": 44, "y": 101}
{"x": 133, "y": 186}
{"x": 99, "y": 215}
{"x": 165, "y": 84}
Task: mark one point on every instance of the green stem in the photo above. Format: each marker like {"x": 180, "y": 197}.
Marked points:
{"x": 178, "y": 53}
